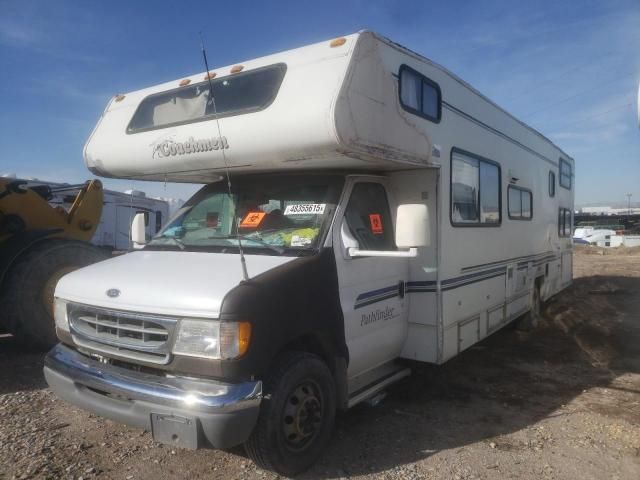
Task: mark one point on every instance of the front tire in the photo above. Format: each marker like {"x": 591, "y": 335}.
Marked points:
{"x": 296, "y": 415}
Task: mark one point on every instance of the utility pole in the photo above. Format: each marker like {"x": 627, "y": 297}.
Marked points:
{"x": 628, "y": 203}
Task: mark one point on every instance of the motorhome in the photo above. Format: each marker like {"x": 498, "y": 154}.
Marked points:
{"x": 364, "y": 208}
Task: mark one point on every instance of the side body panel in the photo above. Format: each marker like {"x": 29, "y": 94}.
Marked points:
{"x": 483, "y": 274}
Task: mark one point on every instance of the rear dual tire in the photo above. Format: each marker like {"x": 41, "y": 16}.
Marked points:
{"x": 530, "y": 320}
{"x": 296, "y": 415}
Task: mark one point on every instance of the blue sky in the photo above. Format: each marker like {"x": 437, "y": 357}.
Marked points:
{"x": 570, "y": 69}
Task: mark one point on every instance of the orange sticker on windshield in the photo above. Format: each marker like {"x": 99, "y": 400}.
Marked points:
{"x": 252, "y": 219}
{"x": 376, "y": 223}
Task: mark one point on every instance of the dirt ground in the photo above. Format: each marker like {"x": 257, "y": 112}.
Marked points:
{"x": 560, "y": 402}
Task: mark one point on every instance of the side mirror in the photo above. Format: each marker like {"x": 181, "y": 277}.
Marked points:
{"x": 138, "y": 230}
{"x": 412, "y": 231}
{"x": 412, "y": 226}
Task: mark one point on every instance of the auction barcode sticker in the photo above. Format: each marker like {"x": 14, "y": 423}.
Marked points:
{"x": 305, "y": 209}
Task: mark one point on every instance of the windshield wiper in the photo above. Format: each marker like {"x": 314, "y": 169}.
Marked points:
{"x": 278, "y": 250}
{"x": 175, "y": 240}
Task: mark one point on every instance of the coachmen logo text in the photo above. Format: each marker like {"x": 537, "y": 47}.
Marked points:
{"x": 170, "y": 148}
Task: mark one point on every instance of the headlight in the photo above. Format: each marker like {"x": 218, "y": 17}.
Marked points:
{"x": 60, "y": 314}
{"x": 212, "y": 339}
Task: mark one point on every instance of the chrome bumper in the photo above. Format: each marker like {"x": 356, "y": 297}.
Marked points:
{"x": 224, "y": 412}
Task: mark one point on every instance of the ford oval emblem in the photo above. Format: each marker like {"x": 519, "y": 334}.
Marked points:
{"x": 113, "y": 293}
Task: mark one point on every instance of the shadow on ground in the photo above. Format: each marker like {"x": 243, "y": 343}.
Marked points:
{"x": 20, "y": 367}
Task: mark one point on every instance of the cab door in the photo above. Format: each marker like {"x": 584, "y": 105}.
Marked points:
{"x": 372, "y": 289}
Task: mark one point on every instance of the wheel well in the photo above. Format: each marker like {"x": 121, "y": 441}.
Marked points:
{"x": 312, "y": 344}
{"x": 330, "y": 355}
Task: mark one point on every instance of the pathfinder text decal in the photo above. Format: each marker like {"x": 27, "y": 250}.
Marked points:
{"x": 377, "y": 315}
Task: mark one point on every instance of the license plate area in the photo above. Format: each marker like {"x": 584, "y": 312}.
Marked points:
{"x": 174, "y": 430}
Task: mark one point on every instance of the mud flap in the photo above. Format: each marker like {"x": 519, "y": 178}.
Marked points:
{"x": 173, "y": 430}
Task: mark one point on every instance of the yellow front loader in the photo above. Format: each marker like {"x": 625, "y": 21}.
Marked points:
{"x": 39, "y": 243}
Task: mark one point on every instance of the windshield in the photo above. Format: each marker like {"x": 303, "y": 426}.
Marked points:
{"x": 276, "y": 215}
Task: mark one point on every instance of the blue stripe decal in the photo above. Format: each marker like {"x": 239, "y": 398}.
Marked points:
{"x": 372, "y": 293}
{"x": 429, "y": 286}
{"x": 474, "y": 275}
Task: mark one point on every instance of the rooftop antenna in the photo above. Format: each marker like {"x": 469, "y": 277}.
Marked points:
{"x": 243, "y": 262}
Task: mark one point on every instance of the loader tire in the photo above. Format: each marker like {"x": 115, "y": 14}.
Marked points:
{"x": 296, "y": 415}
{"x": 26, "y": 294}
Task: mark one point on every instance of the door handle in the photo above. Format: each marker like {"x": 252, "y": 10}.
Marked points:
{"x": 401, "y": 288}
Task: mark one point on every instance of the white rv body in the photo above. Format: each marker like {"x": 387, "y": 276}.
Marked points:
{"x": 118, "y": 210}
{"x": 499, "y": 198}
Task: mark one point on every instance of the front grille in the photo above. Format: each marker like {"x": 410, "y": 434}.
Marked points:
{"x": 129, "y": 335}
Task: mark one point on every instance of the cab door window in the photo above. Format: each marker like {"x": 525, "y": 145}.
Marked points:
{"x": 369, "y": 218}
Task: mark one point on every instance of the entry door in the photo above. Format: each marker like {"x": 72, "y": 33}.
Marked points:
{"x": 371, "y": 288}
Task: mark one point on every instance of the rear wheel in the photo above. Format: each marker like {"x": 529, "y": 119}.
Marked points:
{"x": 296, "y": 415}
{"x": 27, "y": 291}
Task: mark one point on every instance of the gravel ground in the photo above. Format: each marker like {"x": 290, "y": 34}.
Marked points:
{"x": 560, "y": 402}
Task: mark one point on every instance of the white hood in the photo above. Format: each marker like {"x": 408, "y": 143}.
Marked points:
{"x": 167, "y": 283}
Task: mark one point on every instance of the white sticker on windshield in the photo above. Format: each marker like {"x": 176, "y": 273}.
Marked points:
{"x": 305, "y": 209}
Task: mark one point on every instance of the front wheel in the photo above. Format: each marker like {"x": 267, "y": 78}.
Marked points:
{"x": 296, "y": 415}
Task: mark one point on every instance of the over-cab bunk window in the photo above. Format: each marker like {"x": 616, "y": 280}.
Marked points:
{"x": 475, "y": 191}
{"x": 565, "y": 174}
{"x": 420, "y": 95}
{"x": 234, "y": 94}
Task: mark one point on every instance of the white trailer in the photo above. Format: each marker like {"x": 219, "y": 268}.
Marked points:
{"x": 118, "y": 210}
{"x": 384, "y": 211}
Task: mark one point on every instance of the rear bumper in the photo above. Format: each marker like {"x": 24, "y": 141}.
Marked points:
{"x": 180, "y": 411}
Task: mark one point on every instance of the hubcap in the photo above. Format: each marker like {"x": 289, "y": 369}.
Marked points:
{"x": 303, "y": 414}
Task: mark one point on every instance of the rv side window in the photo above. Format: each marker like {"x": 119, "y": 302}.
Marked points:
{"x": 564, "y": 222}
{"x": 234, "y": 95}
{"x": 475, "y": 190}
{"x": 368, "y": 217}
{"x": 420, "y": 95}
{"x": 520, "y": 203}
{"x": 552, "y": 184}
{"x": 565, "y": 174}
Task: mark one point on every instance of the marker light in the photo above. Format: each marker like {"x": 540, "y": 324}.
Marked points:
{"x": 60, "y": 314}
{"x": 185, "y": 82}
{"x": 237, "y": 68}
{"x": 338, "y": 42}
{"x": 210, "y": 75}
{"x": 119, "y": 98}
